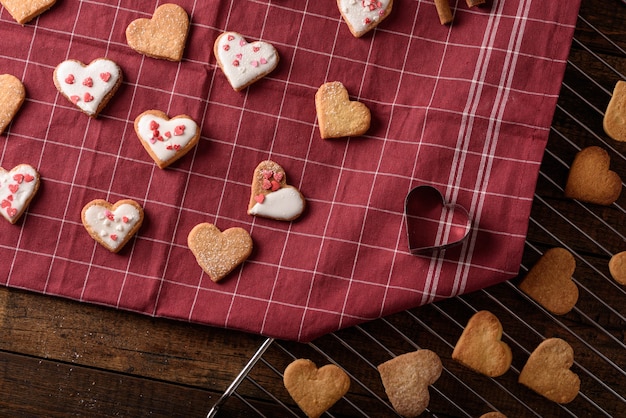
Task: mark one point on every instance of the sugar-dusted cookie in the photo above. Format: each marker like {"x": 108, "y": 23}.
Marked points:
{"x": 271, "y": 196}
{"x": 590, "y": 179}
{"x": 406, "y": 379}
{"x": 112, "y": 225}
{"x": 165, "y": 139}
{"x": 12, "y": 96}
{"x": 337, "y": 115}
{"x": 614, "y": 121}
{"x": 315, "y": 390}
{"x": 244, "y": 62}
{"x": 23, "y": 11}
{"x": 163, "y": 36}
{"x": 18, "y": 186}
{"x": 88, "y": 87}
{"x": 547, "y": 371}
{"x": 362, "y": 16}
{"x": 217, "y": 252}
{"x": 480, "y": 346}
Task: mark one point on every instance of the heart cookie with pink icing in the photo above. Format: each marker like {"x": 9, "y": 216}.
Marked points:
{"x": 165, "y": 139}
{"x": 362, "y": 16}
{"x": 271, "y": 196}
{"x": 244, "y": 62}
{"x": 112, "y": 225}
{"x": 88, "y": 87}
{"x": 17, "y": 188}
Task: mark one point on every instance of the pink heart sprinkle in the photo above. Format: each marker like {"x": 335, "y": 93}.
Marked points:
{"x": 266, "y": 184}
{"x": 153, "y": 140}
{"x": 10, "y": 198}
{"x": 18, "y": 177}
{"x": 114, "y": 237}
{"x": 69, "y": 79}
{"x": 5, "y": 204}
{"x": 260, "y": 198}
{"x": 255, "y": 64}
{"x": 256, "y": 48}
{"x": 179, "y": 130}
{"x": 105, "y": 77}
{"x": 263, "y": 61}
{"x": 88, "y": 82}
{"x": 11, "y": 212}
{"x": 239, "y": 56}
{"x": 154, "y": 125}
{"x": 275, "y": 186}
{"x": 168, "y": 134}
{"x": 75, "y": 99}
{"x": 242, "y": 42}
{"x": 231, "y": 37}
{"x": 28, "y": 178}
{"x": 226, "y": 47}
{"x": 125, "y": 219}
{"x": 278, "y": 176}
{"x": 176, "y": 147}
{"x": 267, "y": 174}
{"x": 88, "y": 97}
{"x": 109, "y": 215}
{"x": 14, "y": 187}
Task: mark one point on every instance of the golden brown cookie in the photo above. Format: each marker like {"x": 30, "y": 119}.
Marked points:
{"x": 17, "y": 188}
{"x": 112, "y": 225}
{"x": 549, "y": 281}
{"x": 406, "y": 379}
{"x": 217, "y": 252}
{"x": 590, "y": 179}
{"x": 617, "y": 267}
{"x": 364, "y": 15}
{"x": 163, "y": 36}
{"x": 614, "y": 121}
{"x": 12, "y": 96}
{"x": 315, "y": 390}
{"x": 271, "y": 196}
{"x": 548, "y": 373}
{"x": 493, "y": 414}
{"x": 337, "y": 115}
{"x": 23, "y": 11}
{"x": 481, "y": 348}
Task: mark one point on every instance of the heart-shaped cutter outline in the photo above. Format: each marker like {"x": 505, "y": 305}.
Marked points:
{"x": 433, "y": 199}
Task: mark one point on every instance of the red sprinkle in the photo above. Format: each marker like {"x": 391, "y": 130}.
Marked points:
{"x": 236, "y": 63}
{"x": 88, "y": 97}
{"x": 28, "y": 178}
{"x": 275, "y": 185}
{"x": 154, "y": 125}
{"x": 18, "y": 177}
{"x": 114, "y": 237}
{"x": 125, "y": 219}
{"x": 179, "y": 130}
{"x": 69, "y": 79}
{"x": 168, "y": 134}
{"x": 231, "y": 37}
{"x": 88, "y": 82}
{"x": 10, "y": 198}
{"x": 256, "y": 48}
{"x": 226, "y": 47}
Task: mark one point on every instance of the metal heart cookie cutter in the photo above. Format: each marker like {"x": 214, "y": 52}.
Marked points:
{"x": 431, "y": 223}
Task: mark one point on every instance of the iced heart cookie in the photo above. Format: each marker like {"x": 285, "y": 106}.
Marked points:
{"x": 406, "y": 379}
{"x": 217, "y": 252}
{"x": 361, "y": 16}
{"x": 12, "y": 95}
{"x": 549, "y": 281}
{"x": 163, "y": 36}
{"x": 614, "y": 121}
{"x": 112, "y": 225}
{"x": 271, "y": 196}
{"x": 315, "y": 390}
{"x": 590, "y": 179}
{"x": 337, "y": 115}
{"x": 481, "y": 348}
{"x": 547, "y": 371}
{"x": 165, "y": 139}
{"x": 17, "y": 188}
{"x": 244, "y": 62}
{"x": 88, "y": 87}
{"x": 23, "y": 11}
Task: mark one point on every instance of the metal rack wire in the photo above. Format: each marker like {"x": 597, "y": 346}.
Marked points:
{"x": 595, "y": 327}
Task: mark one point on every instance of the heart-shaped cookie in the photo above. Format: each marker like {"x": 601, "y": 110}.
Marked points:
{"x": 23, "y": 11}
{"x": 431, "y": 222}
{"x": 548, "y": 373}
{"x": 165, "y": 139}
{"x": 163, "y": 36}
{"x": 549, "y": 281}
{"x": 271, "y": 196}
{"x": 590, "y": 179}
{"x": 480, "y": 346}
{"x": 614, "y": 121}
{"x": 406, "y": 379}
{"x": 88, "y": 87}
{"x": 315, "y": 390}
{"x": 217, "y": 252}
{"x": 361, "y": 16}
{"x": 244, "y": 62}
{"x": 337, "y": 115}
{"x": 17, "y": 188}
{"x": 12, "y": 95}
{"x": 112, "y": 225}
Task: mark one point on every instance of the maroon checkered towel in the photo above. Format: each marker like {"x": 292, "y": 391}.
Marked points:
{"x": 465, "y": 108}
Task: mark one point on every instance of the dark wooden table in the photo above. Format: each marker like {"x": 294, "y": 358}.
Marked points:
{"x": 62, "y": 358}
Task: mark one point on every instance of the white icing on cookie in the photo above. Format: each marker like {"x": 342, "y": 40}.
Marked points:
{"x": 166, "y": 137}
{"x": 87, "y": 86}
{"x": 17, "y": 188}
{"x": 363, "y": 15}
{"x": 283, "y": 204}
{"x": 112, "y": 227}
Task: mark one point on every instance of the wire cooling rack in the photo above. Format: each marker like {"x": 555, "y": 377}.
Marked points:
{"x": 595, "y": 328}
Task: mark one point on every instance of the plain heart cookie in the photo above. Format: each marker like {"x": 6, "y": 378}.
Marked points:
{"x": 315, "y": 390}
{"x": 590, "y": 179}
{"x": 406, "y": 379}
{"x": 165, "y": 139}
{"x": 88, "y": 87}
{"x": 12, "y": 96}
{"x": 361, "y": 16}
{"x": 244, "y": 62}
{"x": 614, "y": 121}
{"x": 547, "y": 371}
{"x": 17, "y": 188}
{"x": 549, "y": 281}
{"x": 23, "y": 11}
{"x": 271, "y": 196}
{"x": 480, "y": 346}
{"x": 217, "y": 252}
{"x": 337, "y": 115}
{"x": 112, "y": 225}
{"x": 163, "y": 36}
